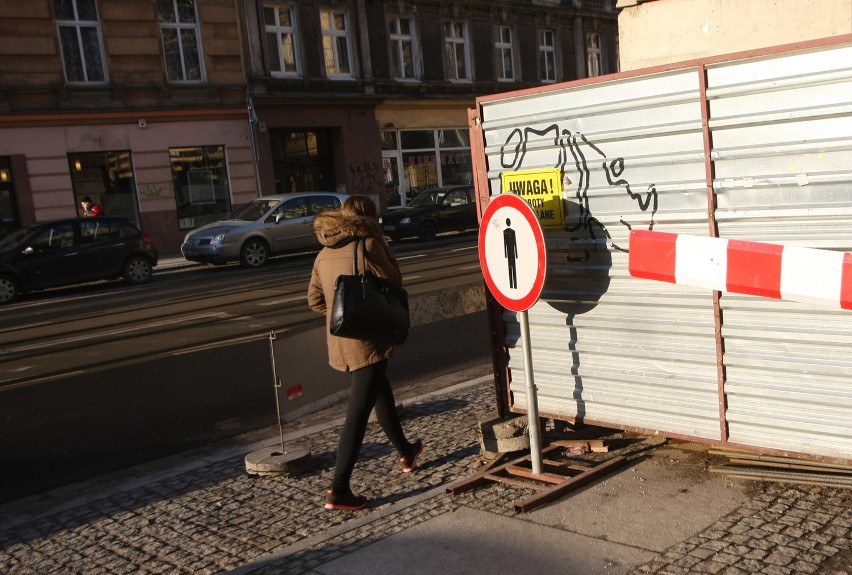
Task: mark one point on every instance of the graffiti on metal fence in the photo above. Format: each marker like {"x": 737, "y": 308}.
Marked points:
{"x": 577, "y": 154}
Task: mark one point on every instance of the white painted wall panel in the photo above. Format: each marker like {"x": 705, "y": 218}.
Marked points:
{"x": 634, "y": 353}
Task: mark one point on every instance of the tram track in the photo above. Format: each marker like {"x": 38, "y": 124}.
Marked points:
{"x": 134, "y": 325}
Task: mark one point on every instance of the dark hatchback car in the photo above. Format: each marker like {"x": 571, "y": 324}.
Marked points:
{"x": 451, "y": 209}
{"x": 71, "y": 251}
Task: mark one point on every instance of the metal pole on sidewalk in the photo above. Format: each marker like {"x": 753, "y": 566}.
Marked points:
{"x": 277, "y": 386}
{"x": 275, "y": 460}
{"x": 532, "y": 399}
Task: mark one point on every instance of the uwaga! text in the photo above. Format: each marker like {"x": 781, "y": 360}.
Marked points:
{"x": 529, "y": 189}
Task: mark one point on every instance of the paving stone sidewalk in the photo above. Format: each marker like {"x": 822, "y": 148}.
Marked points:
{"x": 214, "y": 518}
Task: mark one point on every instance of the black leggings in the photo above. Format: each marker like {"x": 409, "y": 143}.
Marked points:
{"x": 368, "y": 387}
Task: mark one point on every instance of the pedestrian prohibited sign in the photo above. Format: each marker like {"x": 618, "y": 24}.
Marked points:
{"x": 512, "y": 252}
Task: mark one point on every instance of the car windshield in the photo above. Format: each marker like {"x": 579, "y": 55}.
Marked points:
{"x": 429, "y": 198}
{"x": 253, "y": 210}
{"x": 14, "y": 238}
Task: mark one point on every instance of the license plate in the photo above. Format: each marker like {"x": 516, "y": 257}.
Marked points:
{"x": 190, "y": 252}
{"x": 389, "y": 228}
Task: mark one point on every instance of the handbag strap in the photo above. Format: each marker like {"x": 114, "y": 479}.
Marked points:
{"x": 363, "y": 244}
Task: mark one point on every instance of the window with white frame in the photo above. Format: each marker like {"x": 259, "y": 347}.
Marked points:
{"x": 81, "y": 41}
{"x": 281, "y": 40}
{"x": 457, "y": 50}
{"x": 405, "y": 61}
{"x": 547, "y": 55}
{"x": 504, "y": 53}
{"x": 593, "y": 54}
{"x": 181, "y": 40}
{"x": 431, "y": 158}
{"x": 336, "y": 43}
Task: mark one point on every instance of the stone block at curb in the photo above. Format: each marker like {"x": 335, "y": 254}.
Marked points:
{"x": 498, "y": 435}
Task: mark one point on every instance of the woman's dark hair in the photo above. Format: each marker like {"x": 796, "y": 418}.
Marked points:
{"x": 360, "y": 206}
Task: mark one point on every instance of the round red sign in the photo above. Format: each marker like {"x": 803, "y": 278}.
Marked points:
{"x": 512, "y": 252}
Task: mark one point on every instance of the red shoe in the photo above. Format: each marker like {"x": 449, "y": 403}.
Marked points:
{"x": 410, "y": 463}
{"x": 346, "y": 501}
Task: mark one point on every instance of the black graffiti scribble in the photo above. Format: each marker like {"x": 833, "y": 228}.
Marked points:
{"x": 365, "y": 175}
{"x": 570, "y": 149}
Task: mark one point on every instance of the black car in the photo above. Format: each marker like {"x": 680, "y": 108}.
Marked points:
{"x": 71, "y": 251}
{"x": 432, "y": 212}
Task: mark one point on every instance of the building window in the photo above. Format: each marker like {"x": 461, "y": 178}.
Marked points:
{"x": 200, "y": 179}
{"x": 457, "y": 51}
{"x": 405, "y": 62}
{"x": 181, "y": 40}
{"x": 107, "y": 178}
{"x": 430, "y": 158}
{"x": 81, "y": 41}
{"x": 281, "y": 40}
{"x": 336, "y": 44}
{"x": 547, "y": 55}
{"x": 593, "y": 54}
{"x": 504, "y": 54}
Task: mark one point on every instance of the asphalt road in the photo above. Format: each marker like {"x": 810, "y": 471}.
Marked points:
{"x": 98, "y": 378}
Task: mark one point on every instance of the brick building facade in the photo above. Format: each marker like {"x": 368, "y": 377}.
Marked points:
{"x": 172, "y": 112}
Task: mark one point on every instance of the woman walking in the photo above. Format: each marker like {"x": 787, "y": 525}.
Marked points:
{"x": 366, "y": 361}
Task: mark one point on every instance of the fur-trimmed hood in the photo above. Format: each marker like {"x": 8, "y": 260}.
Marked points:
{"x": 334, "y": 228}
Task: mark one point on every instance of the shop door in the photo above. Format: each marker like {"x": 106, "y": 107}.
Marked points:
{"x": 302, "y": 161}
{"x": 394, "y": 188}
{"x": 107, "y": 178}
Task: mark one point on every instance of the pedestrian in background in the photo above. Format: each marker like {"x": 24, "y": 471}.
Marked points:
{"x": 366, "y": 361}
{"x": 90, "y": 208}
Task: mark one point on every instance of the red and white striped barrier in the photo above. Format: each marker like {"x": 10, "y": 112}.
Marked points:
{"x": 769, "y": 270}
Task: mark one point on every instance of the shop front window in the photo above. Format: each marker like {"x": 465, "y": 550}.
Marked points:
{"x": 456, "y": 168}
{"x": 415, "y": 139}
{"x": 200, "y": 177}
{"x": 389, "y": 140}
{"x": 107, "y": 178}
{"x": 431, "y": 158}
{"x": 9, "y": 218}
{"x": 421, "y": 171}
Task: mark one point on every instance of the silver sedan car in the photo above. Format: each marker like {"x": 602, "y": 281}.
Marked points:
{"x": 264, "y": 227}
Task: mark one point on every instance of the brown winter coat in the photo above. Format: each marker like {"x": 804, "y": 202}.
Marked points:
{"x": 336, "y": 232}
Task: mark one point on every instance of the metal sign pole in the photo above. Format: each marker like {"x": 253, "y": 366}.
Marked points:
{"x": 274, "y": 460}
{"x": 277, "y": 386}
{"x": 532, "y": 399}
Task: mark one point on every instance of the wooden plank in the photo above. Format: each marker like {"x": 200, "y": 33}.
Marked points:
{"x": 543, "y": 477}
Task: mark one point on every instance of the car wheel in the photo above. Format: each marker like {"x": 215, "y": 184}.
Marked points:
{"x": 427, "y": 231}
{"x": 254, "y": 253}
{"x": 8, "y": 290}
{"x": 137, "y": 270}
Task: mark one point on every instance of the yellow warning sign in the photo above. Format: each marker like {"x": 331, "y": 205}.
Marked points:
{"x": 542, "y": 190}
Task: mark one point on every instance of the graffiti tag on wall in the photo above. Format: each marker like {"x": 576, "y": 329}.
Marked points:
{"x": 577, "y": 153}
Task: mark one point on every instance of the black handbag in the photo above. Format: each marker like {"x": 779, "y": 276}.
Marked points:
{"x": 368, "y": 307}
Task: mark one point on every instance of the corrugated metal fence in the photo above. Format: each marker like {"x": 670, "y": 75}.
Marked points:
{"x": 771, "y": 135}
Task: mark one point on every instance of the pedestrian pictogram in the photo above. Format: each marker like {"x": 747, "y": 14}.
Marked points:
{"x": 512, "y": 252}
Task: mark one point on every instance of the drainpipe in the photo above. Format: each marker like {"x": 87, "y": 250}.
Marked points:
{"x": 249, "y": 9}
